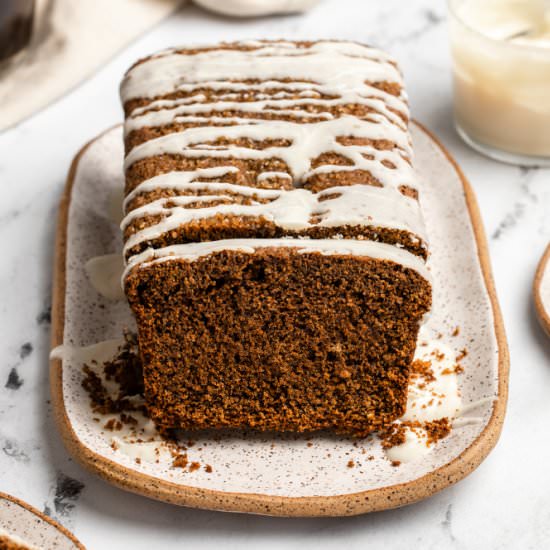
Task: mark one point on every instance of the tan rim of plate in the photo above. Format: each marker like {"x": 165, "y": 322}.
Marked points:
{"x": 43, "y": 517}
{"x": 316, "y": 506}
{"x": 542, "y": 310}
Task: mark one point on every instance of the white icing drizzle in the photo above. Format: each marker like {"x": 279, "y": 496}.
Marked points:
{"x": 335, "y": 65}
{"x": 341, "y": 247}
{"x": 325, "y": 75}
{"x": 308, "y": 142}
{"x": 292, "y": 210}
{"x": 100, "y": 352}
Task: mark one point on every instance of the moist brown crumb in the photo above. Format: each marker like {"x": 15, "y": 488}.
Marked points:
{"x": 422, "y": 369}
{"x": 194, "y": 466}
{"x": 113, "y": 425}
{"x": 125, "y": 370}
{"x": 351, "y": 464}
{"x": 437, "y": 429}
{"x": 180, "y": 461}
{"x": 457, "y": 369}
{"x": 208, "y": 469}
{"x": 353, "y": 389}
{"x": 396, "y": 463}
{"x": 463, "y": 353}
{"x": 393, "y": 435}
{"x": 456, "y": 331}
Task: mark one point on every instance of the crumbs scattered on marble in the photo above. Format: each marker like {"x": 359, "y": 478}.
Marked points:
{"x": 14, "y": 381}
{"x": 25, "y": 350}
{"x": 67, "y": 492}
{"x": 45, "y": 316}
{"x": 11, "y": 448}
{"x": 433, "y": 17}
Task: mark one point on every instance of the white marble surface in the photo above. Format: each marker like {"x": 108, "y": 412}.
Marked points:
{"x": 504, "y": 504}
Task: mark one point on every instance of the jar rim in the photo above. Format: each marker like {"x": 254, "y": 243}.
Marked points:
{"x": 497, "y": 41}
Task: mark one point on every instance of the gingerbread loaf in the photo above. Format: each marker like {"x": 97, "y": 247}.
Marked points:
{"x": 274, "y": 241}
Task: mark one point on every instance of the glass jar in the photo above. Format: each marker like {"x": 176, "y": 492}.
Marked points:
{"x": 501, "y": 74}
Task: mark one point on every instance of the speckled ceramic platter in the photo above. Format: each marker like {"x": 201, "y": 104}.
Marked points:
{"x": 34, "y": 528}
{"x": 286, "y": 475}
{"x": 541, "y": 290}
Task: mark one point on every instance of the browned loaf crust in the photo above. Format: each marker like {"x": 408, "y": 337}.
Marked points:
{"x": 275, "y": 337}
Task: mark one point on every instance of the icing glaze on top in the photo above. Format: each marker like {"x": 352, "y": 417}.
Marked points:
{"x": 347, "y": 247}
{"x": 258, "y": 91}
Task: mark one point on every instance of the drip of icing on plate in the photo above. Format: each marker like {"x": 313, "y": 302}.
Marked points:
{"x": 429, "y": 399}
{"x": 525, "y": 22}
{"x": 105, "y": 274}
{"x": 432, "y": 398}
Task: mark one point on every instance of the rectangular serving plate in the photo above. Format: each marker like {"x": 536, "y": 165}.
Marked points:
{"x": 285, "y": 474}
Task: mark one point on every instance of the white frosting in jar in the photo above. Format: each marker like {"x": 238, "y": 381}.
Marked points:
{"x": 525, "y": 22}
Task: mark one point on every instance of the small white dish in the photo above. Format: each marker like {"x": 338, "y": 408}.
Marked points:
{"x": 541, "y": 291}
{"x": 32, "y": 527}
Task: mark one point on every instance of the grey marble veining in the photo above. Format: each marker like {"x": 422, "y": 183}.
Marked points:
{"x": 504, "y": 504}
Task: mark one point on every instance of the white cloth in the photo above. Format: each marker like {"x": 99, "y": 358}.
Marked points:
{"x": 71, "y": 40}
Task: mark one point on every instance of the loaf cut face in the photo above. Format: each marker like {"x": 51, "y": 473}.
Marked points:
{"x": 274, "y": 241}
